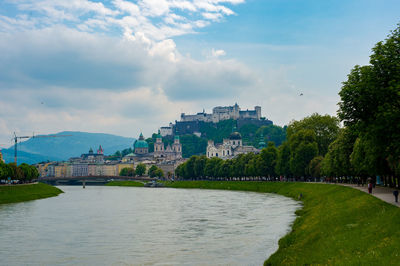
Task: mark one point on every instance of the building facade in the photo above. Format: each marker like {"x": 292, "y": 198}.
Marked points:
{"x": 229, "y": 147}
{"x": 167, "y": 131}
{"x": 94, "y": 164}
{"x": 169, "y": 153}
{"x": 140, "y": 146}
{"x": 220, "y": 113}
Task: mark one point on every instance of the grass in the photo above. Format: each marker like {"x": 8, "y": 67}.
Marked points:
{"x": 125, "y": 183}
{"x": 19, "y": 193}
{"x": 336, "y": 226}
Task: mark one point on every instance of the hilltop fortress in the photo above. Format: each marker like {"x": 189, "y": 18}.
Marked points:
{"x": 190, "y": 123}
{"x": 220, "y": 113}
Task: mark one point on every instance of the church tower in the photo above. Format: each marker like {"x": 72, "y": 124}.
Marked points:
{"x": 158, "y": 145}
{"x": 100, "y": 150}
{"x": 177, "y": 147}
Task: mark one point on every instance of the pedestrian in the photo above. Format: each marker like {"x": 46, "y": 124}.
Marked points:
{"x": 396, "y": 195}
{"x": 370, "y": 187}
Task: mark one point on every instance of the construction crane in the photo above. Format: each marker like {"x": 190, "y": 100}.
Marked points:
{"x": 16, "y": 138}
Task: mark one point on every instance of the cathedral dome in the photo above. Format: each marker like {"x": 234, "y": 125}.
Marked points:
{"x": 235, "y": 136}
{"x": 141, "y": 143}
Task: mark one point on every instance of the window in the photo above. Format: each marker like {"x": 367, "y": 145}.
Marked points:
{"x": 216, "y": 154}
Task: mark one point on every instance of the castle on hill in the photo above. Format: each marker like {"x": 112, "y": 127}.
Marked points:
{"x": 190, "y": 123}
{"x": 220, "y": 113}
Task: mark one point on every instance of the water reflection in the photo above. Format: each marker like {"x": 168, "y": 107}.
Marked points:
{"x": 144, "y": 226}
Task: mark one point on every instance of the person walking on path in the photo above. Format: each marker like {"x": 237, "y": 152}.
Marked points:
{"x": 370, "y": 187}
{"x": 396, "y": 195}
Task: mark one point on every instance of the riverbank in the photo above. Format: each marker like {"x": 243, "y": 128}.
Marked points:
{"x": 19, "y": 193}
{"x": 125, "y": 183}
{"x": 337, "y": 224}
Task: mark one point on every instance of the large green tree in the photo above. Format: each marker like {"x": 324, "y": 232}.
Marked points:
{"x": 140, "y": 169}
{"x": 269, "y": 156}
{"x": 127, "y": 171}
{"x": 314, "y": 167}
{"x": 152, "y": 172}
{"x": 325, "y": 127}
{"x": 370, "y": 105}
{"x": 303, "y": 148}
{"x": 282, "y": 166}
{"x": 337, "y": 160}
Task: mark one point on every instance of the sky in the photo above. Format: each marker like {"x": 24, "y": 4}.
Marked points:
{"x": 125, "y": 67}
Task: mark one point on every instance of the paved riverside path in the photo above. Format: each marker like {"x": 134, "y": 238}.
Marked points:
{"x": 383, "y": 193}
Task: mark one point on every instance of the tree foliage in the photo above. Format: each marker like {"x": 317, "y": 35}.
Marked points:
{"x": 370, "y": 106}
{"x": 127, "y": 171}
{"x": 140, "y": 169}
{"x": 23, "y": 172}
{"x": 325, "y": 128}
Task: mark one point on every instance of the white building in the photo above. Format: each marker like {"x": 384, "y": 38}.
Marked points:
{"x": 229, "y": 148}
{"x": 167, "y": 131}
{"x": 220, "y": 113}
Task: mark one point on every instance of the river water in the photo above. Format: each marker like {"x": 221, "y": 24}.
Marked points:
{"x": 144, "y": 226}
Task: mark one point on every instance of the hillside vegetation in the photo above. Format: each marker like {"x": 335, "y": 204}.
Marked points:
{"x": 336, "y": 226}
{"x": 251, "y": 134}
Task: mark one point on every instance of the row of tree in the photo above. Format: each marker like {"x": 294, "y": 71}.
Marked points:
{"x": 23, "y": 173}
{"x": 308, "y": 141}
{"x": 140, "y": 170}
{"x": 367, "y": 146}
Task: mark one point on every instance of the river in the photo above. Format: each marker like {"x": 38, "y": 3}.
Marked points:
{"x": 144, "y": 226}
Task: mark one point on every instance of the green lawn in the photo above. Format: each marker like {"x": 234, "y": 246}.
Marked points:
{"x": 125, "y": 183}
{"x": 337, "y": 225}
{"x": 18, "y": 193}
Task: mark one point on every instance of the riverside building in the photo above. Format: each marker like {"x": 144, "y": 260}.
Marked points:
{"x": 96, "y": 164}
{"x": 229, "y": 147}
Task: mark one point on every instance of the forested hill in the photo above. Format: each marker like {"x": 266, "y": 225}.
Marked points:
{"x": 73, "y": 144}
{"x": 251, "y": 134}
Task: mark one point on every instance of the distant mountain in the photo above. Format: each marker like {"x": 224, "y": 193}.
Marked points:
{"x": 26, "y": 157}
{"x": 62, "y": 148}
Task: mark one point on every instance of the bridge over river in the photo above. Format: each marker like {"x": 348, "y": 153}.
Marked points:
{"x": 89, "y": 180}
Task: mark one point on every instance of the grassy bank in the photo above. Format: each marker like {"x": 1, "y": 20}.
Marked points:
{"x": 18, "y": 193}
{"x": 125, "y": 183}
{"x": 337, "y": 225}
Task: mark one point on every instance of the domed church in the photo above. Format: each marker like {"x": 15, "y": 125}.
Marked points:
{"x": 229, "y": 147}
{"x": 141, "y": 146}
{"x": 161, "y": 154}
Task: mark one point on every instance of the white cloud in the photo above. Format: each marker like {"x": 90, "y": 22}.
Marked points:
{"x": 93, "y": 78}
{"x": 217, "y": 53}
{"x": 156, "y": 19}
{"x": 91, "y": 82}
{"x": 212, "y": 16}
